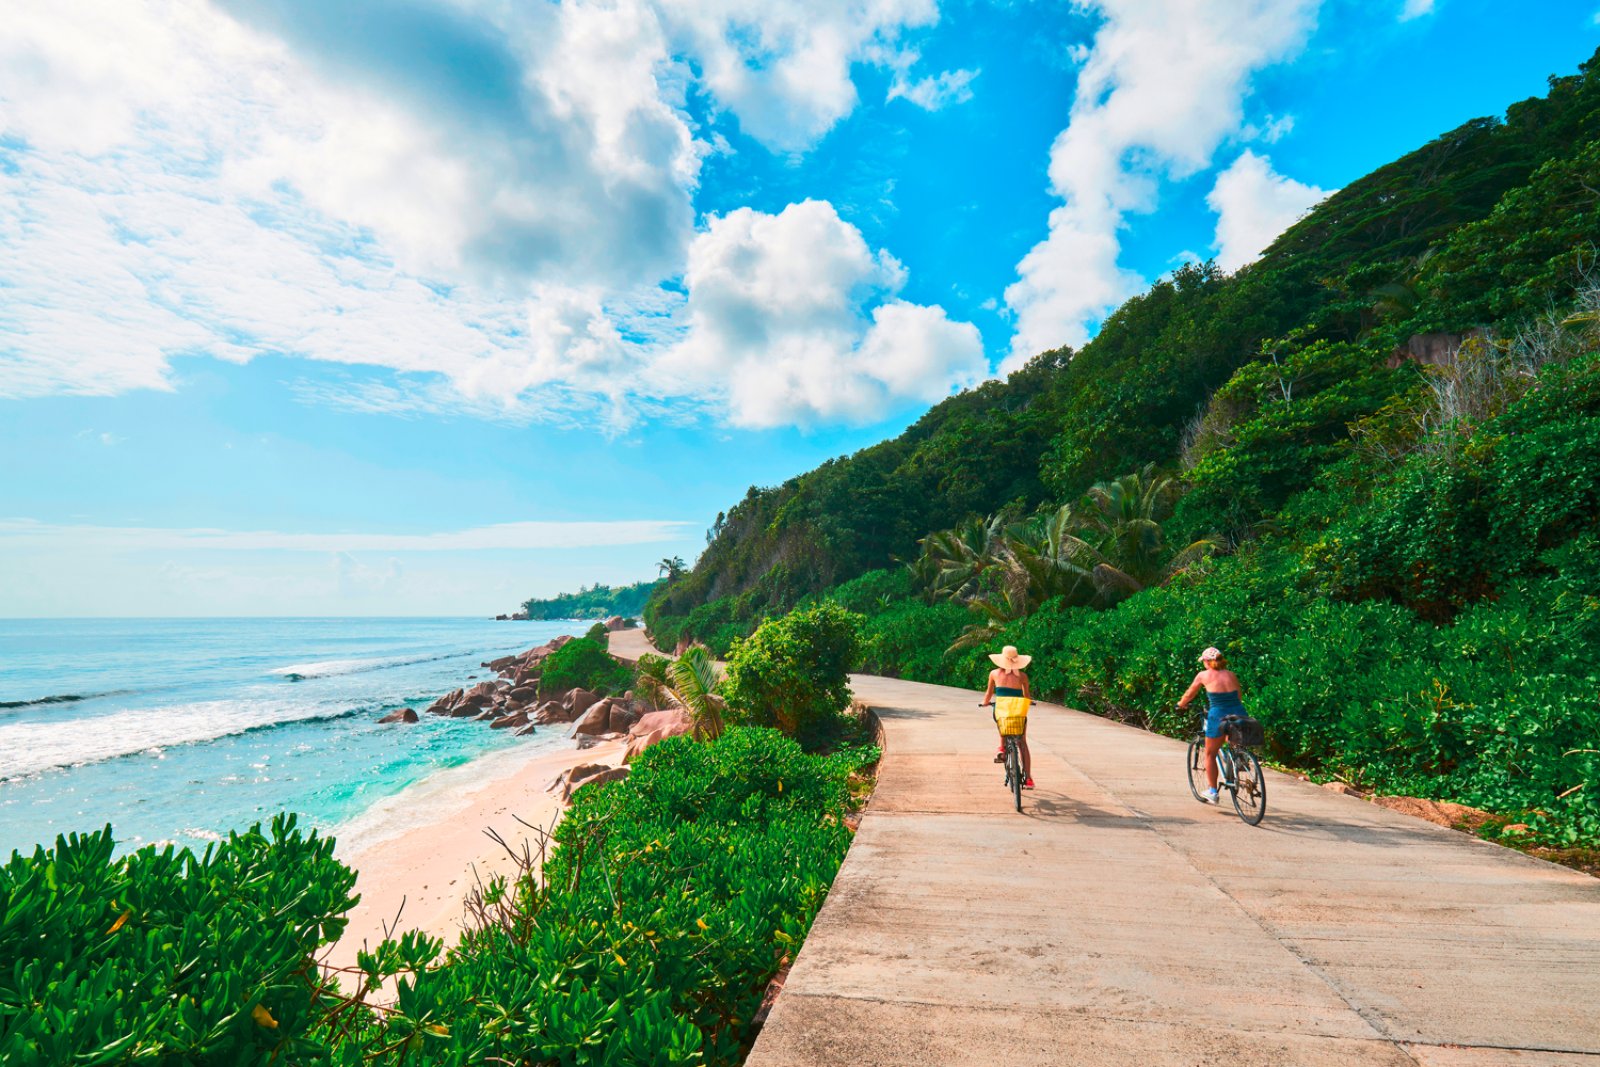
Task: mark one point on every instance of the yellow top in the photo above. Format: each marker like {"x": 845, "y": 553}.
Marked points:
{"x": 1011, "y": 713}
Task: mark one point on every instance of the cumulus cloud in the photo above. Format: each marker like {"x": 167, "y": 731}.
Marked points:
{"x": 1415, "y": 9}
{"x": 796, "y": 318}
{"x": 783, "y": 66}
{"x": 934, "y": 91}
{"x": 1254, "y": 204}
{"x": 1161, "y": 87}
{"x": 494, "y": 201}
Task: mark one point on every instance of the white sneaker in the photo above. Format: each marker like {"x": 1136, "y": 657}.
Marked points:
{"x": 1209, "y": 796}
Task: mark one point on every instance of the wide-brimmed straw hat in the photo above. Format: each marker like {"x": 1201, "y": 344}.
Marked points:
{"x": 1008, "y": 659}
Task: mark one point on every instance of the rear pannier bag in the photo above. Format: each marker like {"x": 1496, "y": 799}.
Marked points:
{"x": 1244, "y": 731}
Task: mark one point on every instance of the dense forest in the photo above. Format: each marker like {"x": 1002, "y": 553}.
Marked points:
{"x": 594, "y": 602}
{"x": 1367, "y": 466}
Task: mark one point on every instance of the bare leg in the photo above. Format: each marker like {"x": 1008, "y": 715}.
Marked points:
{"x": 1213, "y": 746}
{"x": 1027, "y": 757}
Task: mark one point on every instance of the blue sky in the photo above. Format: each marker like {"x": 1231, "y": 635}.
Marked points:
{"x": 425, "y": 307}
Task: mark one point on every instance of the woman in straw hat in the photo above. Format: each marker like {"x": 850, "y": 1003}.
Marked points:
{"x": 1008, "y": 680}
{"x": 1222, "y": 698}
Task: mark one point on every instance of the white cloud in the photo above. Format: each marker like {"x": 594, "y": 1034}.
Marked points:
{"x": 1416, "y": 9}
{"x": 1254, "y": 204}
{"x": 304, "y": 179}
{"x": 783, "y": 66}
{"x": 26, "y": 533}
{"x": 1160, "y": 89}
{"x": 778, "y": 316}
{"x": 936, "y": 91}
{"x": 1275, "y": 129}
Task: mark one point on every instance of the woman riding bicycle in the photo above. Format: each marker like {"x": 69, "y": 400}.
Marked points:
{"x": 1008, "y": 680}
{"x": 1222, "y": 698}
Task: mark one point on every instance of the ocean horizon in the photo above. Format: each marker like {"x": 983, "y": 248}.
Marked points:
{"x": 182, "y": 729}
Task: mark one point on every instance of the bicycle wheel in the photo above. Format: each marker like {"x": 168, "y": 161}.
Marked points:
{"x": 1014, "y": 770}
{"x": 1250, "y": 787}
{"x": 1197, "y": 768}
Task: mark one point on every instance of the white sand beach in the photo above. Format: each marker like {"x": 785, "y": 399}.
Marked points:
{"x": 425, "y": 873}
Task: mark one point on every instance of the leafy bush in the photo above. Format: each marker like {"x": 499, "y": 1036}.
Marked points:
{"x": 165, "y": 956}
{"x": 668, "y": 904}
{"x": 597, "y": 632}
{"x": 793, "y": 672}
{"x": 585, "y": 664}
{"x": 1453, "y": 528}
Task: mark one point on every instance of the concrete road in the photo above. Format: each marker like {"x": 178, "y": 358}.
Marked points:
{"x": 1118, "y": 922}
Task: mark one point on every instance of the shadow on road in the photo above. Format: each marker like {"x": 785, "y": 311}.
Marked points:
{"x": 903, "y": 713}
{"x": 1051, "y": 808}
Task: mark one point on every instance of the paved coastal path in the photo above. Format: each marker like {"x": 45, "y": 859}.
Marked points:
{"x": 1118, "y": 922}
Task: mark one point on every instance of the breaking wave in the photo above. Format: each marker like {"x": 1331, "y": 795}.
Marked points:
{"x": 28, "y": 748}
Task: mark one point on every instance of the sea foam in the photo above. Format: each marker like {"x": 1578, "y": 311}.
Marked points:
{"x": 31, "y": 747}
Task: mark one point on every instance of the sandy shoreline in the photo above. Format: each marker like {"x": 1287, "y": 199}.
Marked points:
{"x": 430, "y": 868}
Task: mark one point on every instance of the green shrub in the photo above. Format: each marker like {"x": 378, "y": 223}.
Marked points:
{"x": 1455, "y": 527}
{"x": 597, "y": 632}
{"x": 162, "y": 956}
{"x": 668, "y": 904}
{"x": 584, "y": 663}
{"x": 793, "y": 672}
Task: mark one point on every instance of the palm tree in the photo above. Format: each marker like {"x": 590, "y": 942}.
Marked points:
{"x": 1124, "y": 547}
{"x": 691, "y": 682}
{"x": 1099, "y": 551}
{"x": 672, "y": 567}
{"x": 953, "y": 561}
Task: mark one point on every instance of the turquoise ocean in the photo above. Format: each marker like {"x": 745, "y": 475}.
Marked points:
{"x": 179, "y": 730}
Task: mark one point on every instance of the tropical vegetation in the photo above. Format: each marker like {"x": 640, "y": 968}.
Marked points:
{"x": 1372, "y": 453}
{"x": 645, "y": 934}
{"x": 594, "y": 602}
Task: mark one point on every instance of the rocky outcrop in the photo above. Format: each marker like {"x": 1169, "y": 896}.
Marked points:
{"x": 655, "y": 727}
{"x": 566, "y": 777}
{"x": 595, "y": 720}
{"x": 551, "y": 712}
{"x": 513, "y": 702}
{"x": 443, "y": 705}
{"x": 570, "y": 781}
{"x": 400, "y": 715}
{"x": 616, "y": 622}
{"x": 622, "y": 717}
{"x": 611, "y": 774}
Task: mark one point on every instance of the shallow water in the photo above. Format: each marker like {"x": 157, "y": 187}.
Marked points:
{"x": 182, "y": 729}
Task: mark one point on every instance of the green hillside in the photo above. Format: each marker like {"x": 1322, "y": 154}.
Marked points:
{"x": 1367, "y": 466}
{"x": 593, "y": 602}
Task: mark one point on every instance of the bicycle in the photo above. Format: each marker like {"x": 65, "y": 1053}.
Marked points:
{"x": 1013, "y": 762}
{"x": 1238, "y": 769}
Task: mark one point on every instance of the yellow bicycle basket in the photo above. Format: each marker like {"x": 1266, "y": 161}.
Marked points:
{"x": 1011, "y": 713}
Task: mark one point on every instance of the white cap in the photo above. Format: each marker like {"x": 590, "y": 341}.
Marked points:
{"x": 1211, "y": 653}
